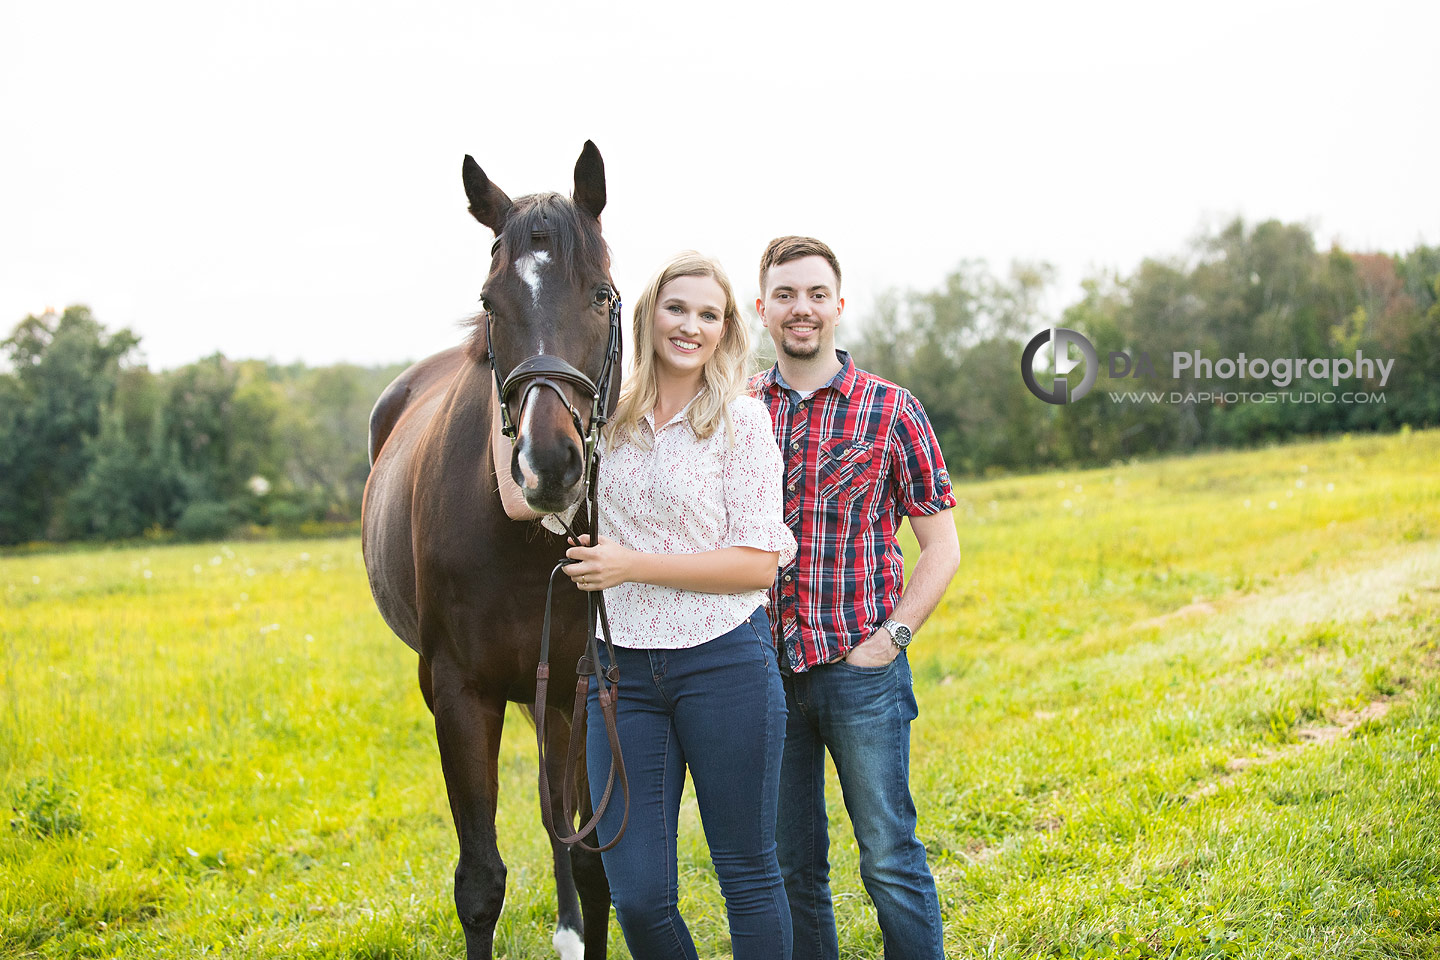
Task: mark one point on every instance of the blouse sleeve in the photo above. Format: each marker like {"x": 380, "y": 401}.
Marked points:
{"x": 754, "y": 476}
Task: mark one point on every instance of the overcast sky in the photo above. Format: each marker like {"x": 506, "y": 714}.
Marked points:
{"x": 282, "y": 179}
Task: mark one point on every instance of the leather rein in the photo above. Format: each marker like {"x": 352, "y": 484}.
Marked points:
{"x": 546, "y": 371}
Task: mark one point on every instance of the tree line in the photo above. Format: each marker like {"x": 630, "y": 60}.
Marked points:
{"x": 95, "y": 445}
{"x": 1264, "y": 291}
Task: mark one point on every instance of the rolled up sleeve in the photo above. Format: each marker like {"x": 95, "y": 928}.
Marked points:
{"x": 921, "y": 480}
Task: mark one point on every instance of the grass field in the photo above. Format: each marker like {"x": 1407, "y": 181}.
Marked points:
{"x": 1186, "y": 708}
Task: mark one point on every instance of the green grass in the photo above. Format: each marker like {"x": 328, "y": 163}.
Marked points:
{"x": 1141, "y": 735}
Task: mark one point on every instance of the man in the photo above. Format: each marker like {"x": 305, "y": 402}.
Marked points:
{"x": 859, "y": 455}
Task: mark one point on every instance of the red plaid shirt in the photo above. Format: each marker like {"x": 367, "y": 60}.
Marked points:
{"x": 859, "y": 456}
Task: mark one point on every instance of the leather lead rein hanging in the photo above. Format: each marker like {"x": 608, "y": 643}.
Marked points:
{"x": 544, "y": 371}
{"x": 608, "y": 683}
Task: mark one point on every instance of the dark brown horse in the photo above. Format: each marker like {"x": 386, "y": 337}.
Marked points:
{"x": 452, "y": 574}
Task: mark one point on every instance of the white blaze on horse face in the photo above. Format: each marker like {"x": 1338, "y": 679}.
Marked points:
{"x": 528, "y": 267}
{"x": 568, "y": 943}
{"x": 529, "y": 478}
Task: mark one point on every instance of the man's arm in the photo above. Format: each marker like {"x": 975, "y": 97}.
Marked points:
{"x": 934, "y": 568}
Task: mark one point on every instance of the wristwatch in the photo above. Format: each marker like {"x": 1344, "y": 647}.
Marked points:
{"x": 899, "y": 633}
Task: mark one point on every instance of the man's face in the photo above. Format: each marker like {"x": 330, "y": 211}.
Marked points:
{"x": 800, "y": 307}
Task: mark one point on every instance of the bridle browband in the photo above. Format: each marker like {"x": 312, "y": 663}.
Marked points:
{"x": 545, "y": 370}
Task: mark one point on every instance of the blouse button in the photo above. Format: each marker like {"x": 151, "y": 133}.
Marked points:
{"x": 790, "y": 486}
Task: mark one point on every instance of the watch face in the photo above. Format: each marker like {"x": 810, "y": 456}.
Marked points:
{"x": 901, "y": 635}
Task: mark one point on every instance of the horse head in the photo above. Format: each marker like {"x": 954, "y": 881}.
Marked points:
{"x": 549, "y": 305}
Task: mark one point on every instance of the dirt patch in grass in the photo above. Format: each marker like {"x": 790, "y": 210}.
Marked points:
{"x": 1346, "y": 721}
{"x": 1308, "y": 735}
{"x": 1200, "y": 608}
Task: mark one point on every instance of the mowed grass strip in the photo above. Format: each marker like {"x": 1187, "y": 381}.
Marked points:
{"x": 220, "y": 749}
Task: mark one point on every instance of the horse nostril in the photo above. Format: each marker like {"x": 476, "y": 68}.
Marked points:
{"x": 574, "y": 465}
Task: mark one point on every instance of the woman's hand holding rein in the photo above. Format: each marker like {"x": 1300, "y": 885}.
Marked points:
{"x": 602, "y": 566}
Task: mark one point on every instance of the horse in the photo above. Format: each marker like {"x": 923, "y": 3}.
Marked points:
{"x": 454, "y": 577}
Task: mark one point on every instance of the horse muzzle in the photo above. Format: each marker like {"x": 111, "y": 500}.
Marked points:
{"x": 549, "y": 461}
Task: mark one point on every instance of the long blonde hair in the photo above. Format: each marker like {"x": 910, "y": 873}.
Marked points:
{"x": 722, "y": 378}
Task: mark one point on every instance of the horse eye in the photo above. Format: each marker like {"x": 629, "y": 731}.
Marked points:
{"x": 485, "y": 304}
{"x": 602, "y": 295}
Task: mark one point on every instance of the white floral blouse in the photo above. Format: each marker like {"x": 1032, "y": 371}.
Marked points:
{"x": 685, "y": 495}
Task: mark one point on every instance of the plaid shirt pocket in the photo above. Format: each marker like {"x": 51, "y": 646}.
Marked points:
{"x": 845, "y": 464}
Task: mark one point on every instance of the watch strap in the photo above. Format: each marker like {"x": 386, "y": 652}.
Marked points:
{"x": 900, "y": 635}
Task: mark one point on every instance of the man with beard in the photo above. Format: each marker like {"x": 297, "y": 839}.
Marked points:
{"x": 860, "y": 455}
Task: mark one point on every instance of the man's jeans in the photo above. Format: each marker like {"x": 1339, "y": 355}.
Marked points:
{"x": 719, "y": 710}
{"x": 862, "y": 714}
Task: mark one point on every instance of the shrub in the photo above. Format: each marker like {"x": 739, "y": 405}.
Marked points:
{"x": 206, "y": 520}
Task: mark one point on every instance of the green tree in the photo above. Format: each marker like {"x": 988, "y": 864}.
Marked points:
{"x": 64, "y": 373}
{"x": 957, "y": 348}
{"x": 323, "y": 427}
{"x": 221, "y": 417}
{"x": 134, "y": 482}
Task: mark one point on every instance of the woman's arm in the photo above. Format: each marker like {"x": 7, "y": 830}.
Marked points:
{"x": 754, "y": 504}
{"x": 726, "y": 570}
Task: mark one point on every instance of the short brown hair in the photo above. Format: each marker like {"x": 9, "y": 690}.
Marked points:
{"x": 784, "y": 249}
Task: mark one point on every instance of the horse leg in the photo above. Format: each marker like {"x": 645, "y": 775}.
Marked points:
{"x": 467, "y": 727}
{"x": 568, "y": 924}
{"x": 590, "y": 881}
{"x": 426, "y": 689}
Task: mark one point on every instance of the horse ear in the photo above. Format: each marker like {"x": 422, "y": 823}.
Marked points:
{"x": 488, "y": 203}
{"x": 590, "y": 180}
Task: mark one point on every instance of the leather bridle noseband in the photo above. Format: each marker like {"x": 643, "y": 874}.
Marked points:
{"x": 545, "y": 370}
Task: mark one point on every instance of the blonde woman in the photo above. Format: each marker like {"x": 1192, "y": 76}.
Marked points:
{"x": 691, "y": 534}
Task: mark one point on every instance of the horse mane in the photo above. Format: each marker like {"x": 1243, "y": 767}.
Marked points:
{"x": 574, "y": 239}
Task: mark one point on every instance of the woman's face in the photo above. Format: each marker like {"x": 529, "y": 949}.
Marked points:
{"x": 689, "y": 319}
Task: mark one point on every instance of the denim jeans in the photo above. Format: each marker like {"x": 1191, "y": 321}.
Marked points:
{"x": 862, "y": 715}
{"x": 718, "y": 709}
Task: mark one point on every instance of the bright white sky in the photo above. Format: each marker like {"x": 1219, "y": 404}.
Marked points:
{"x": 281, "y": 178}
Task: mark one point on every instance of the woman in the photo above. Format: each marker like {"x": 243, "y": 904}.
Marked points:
{"x": 691, "y": 532}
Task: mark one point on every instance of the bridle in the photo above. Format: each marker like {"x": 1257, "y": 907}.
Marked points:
{"x": 549, "y": 371}
{"x": 544, "y": 370}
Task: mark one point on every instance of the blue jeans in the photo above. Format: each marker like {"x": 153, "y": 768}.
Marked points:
{"x": 718, "y": 709}
{"x": 862, "y": 715}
